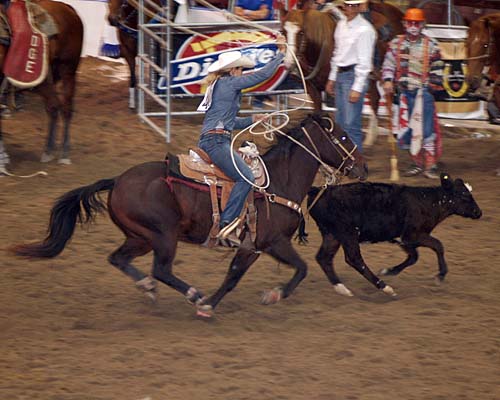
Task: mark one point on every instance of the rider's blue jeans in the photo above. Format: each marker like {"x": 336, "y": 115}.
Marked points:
{"x": 349, "y": 115}
{"x": 218, "y": 147}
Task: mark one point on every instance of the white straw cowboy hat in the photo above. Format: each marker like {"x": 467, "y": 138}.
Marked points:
{"x": 355, "y": 1}
{"x": 231, "y": 59}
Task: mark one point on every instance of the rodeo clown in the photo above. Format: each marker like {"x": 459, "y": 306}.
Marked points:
{"x": 413, "y": 70}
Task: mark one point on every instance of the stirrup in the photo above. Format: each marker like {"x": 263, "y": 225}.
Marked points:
{"x": 224, "y": 232}
{"x": 231, "y": 241}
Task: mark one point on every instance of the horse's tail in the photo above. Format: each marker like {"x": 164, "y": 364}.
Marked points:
{"x": 79, "y": 205}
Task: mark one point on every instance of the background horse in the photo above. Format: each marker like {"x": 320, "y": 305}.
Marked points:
{"x": 482, "y": 53}
{"x": 178, "y": 212}
{"x": 310, "y": 35}
{"x": 125, "y": 17}
{"x": 64, "y": 57}
{"x": 482, "y": 49}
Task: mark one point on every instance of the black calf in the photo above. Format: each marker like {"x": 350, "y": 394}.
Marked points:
{"x": 377, "y": 212}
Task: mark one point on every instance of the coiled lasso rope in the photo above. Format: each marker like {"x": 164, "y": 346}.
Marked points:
{"x": 268, "y": 132}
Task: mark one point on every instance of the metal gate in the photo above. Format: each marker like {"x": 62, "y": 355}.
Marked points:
{"x": 173, "y": 59}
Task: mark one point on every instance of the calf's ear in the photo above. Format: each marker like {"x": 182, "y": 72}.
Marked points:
{"x": 446, "y": 181}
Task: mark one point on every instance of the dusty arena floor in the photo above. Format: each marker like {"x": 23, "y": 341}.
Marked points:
{"x": 75, "y": 328}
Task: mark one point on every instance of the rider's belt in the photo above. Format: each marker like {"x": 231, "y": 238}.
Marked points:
{"x": 218, "y": 132}
{"x": 346, "y": 68}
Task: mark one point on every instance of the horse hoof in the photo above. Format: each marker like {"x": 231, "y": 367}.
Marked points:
{"x": 439, "y": 279}
{"x": 204, "y": 311}
{"x": 342, "y": 290}
{"x": 389, "y": 291}
{"x": 271, "y": 296}
{"x": 64, "y": 161}
{"x": 46, "y": 158}
{"x": 194, "y": 296}
{"x": 148, "y": 287}
{"x": 384, "y": 271}
{"x": 151, "y": 296}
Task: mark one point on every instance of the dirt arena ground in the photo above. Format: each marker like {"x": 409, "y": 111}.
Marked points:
{"x": 74, "y": 328}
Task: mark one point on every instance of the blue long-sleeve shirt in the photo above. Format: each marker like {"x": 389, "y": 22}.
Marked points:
{"x": 226, "y": 98}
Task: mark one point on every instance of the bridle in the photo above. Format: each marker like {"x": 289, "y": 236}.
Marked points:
{"x": 331, "y": 174}
{"x": 125, "y": 18}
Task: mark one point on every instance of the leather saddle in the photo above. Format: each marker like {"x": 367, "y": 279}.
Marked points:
{"x": 197, "y": 166}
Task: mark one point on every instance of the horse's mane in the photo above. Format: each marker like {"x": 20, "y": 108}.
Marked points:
{"x": 282, "y": 148}
{"x": 320, "y": 27}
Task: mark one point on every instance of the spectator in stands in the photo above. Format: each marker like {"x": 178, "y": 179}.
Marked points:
{"x": 413, "y": 67}
{"x": 351, "y": 64}
{"x": 221, "y": 104}
{"x": 254, "y": 10}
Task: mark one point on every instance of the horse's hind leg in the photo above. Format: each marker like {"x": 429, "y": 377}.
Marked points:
{"x": 354, "y": 259}
{"x": 243, "y": 259}
{"x": 68, "y": 84}
{"x": 324, "y": 257}
{"x": 165, "y": 247}
{"x": 122, "y": 257}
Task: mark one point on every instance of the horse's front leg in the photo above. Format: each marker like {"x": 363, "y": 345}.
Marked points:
{"x": 283, "y": 251}
{"x": 129, "y": 52}
{"x": 244, "y": 258}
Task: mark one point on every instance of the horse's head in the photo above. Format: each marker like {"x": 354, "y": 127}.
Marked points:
{"x": 335, "y": 148}
{"x": 292, "y": 23}
{"x": 309, "y": 35}
{"x": 479, "y": 51}
{"x": 114, "y": 10}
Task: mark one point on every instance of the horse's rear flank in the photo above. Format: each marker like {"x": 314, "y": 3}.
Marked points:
{"x": 70, "y": 41}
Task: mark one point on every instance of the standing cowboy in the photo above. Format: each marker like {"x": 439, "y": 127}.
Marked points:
{"x": 414, "y": 69}
{"x": 351, "y": 63}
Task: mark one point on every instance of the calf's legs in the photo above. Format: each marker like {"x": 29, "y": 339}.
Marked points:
{"x": 426, "y": 241}
{"x": 354, "y": 259}
{"x": 324, "y": 257}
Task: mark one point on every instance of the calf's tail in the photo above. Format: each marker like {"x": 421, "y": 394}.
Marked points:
{"x": 78, "y": 205}
{"x": 302, "y": 234}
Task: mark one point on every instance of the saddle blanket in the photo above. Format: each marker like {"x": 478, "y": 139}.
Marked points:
{"x": 26, "y": 63}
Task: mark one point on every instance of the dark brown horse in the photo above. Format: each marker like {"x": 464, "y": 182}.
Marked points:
{"x": 64, "y": 57}
{"x": 483, "y": 44}
{"x": 310, "y": 35}
{"x": 155, "y": 216}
